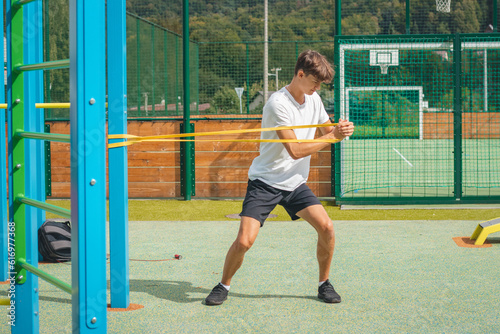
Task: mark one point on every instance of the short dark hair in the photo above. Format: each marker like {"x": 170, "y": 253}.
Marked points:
{"x": 314, "y": 63}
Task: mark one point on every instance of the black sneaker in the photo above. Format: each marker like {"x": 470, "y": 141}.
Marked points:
{"x": 217, "y": 296}
{"x": 327, "y": 293}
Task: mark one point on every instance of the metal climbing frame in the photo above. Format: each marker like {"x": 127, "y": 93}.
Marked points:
{"x": 24, "y": 178}
{"x": 88, "y": 162}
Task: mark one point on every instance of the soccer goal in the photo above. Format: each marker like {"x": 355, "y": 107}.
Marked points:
{"x": 403, "y": 106}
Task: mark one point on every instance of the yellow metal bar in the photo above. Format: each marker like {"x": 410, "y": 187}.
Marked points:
{"x": 52, "y": 105}
{"x": 43, "y": 105}
{"x": 484, "y": 229}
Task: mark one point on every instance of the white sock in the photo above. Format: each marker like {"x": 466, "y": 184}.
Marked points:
{"x": 321, "y": 283}
{"x": 226, "y": 286}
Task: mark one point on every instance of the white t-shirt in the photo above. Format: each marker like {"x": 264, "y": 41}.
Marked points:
{"x": 274, "y": 165}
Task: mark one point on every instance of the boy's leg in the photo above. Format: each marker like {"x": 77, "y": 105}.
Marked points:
{"x": 249, "y": 229}
{"x": 316, "y": 216}
{"x": 259, "y": 201}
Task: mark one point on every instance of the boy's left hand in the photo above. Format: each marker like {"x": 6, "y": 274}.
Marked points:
{"x": 344, "y": 129}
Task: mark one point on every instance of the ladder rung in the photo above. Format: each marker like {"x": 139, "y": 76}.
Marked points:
{"x": 48, "y": 65}
{"x": 43, "y": 136}
{"x": 22, "y": 2}
{"x": 45, "y": 276}
{"x": 45, "y": 206}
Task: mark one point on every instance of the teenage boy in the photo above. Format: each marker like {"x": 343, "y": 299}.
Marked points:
{"x": 279, "y": 174}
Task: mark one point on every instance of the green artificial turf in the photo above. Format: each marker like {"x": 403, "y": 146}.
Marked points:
{"x": 393, "y": 276}
{"x": 216, "y": 210}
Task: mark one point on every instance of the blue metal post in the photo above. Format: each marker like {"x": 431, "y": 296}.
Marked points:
{"x": 34, "y": 118}
{"x": 118, "y": 176}
{"x": 3, "y": 179}
{"x": 88, "y": 157}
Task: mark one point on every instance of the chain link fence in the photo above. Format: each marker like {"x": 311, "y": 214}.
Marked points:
{"x": 227, "y": 48}
{"x": 427, "y": 115}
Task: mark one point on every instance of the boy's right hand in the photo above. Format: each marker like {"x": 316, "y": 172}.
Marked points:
{"x": 343, "y": 129}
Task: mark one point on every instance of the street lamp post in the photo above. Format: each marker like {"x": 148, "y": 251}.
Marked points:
{"x": 239, "y": 92}
{"x": 276, "y": 69}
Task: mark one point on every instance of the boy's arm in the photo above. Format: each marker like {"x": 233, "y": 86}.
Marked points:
{"x": 324, "y": 131}
{"x": 301, "y": 150}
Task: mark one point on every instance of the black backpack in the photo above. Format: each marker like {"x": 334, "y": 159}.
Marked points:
{"x": 54, "y": 241}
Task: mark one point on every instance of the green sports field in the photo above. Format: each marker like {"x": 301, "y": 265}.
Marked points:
{"x": 398, "y": 270}
{"x": 418, "y": 168}
{"x": 394, "y": 277}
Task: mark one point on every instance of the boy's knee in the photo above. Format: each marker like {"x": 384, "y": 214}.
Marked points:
{"x": 243, "y": 244}
{"x": 326, "y": 229}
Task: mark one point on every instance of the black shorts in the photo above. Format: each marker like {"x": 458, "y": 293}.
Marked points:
{"x": 261, "y": 199}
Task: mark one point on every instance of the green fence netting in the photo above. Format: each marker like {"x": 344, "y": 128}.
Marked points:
{"x": 226, "y": 66}
{"x": 154, "y": 67}
{"x": 227, "y": 49}
{"x": 154, "y": 70}
{"x": 426, "y": 107}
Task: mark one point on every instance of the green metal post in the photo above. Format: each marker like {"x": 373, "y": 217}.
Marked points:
{"x": 197, "y": 81}
{"x": 46, "y": 30}
{"x": 138, "y": 28}
{"x": 153, "y": 70}
{"x": 407, "y": 17}
{"x": 176, "y": 75}
{"x": 18, "y": 153}
{"x": 338, "y": 17}
{"x": 296, "y": 50}
{"x": 335, "y": 149}
{"x": 165, "y": 70}
{"x": 495, "y": 15}
{"x": 248, "y": 78}
{"x": 457, "y": 117}
{"x": 187, "y": 172}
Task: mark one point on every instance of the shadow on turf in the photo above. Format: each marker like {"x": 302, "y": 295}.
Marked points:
{"x": 179, "y": 292}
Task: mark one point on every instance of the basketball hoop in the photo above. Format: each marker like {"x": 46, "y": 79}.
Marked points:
{"x": 384, "y": 59}
{"x": 443, "y": 6}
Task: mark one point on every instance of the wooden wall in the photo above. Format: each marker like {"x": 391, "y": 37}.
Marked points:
{"x": 153, "y": 167}
{"x": 221, "y": 168}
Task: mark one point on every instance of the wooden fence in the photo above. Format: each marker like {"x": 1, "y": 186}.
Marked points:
{"x": 154, "y": 167}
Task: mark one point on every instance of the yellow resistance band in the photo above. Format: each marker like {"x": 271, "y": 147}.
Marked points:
{"x": 131, "y": 139}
